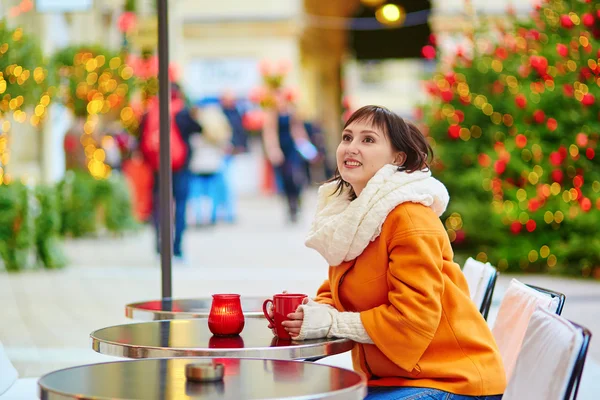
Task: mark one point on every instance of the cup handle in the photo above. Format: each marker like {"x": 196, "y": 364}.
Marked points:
{"x": 266, "y": 311}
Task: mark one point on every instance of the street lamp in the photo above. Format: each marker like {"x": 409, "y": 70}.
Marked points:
{"x": 390, "y": 15}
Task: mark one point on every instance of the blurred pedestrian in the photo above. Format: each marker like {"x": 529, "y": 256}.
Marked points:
{"x": 183, "y": 125}
{"x": 283, "y": 136}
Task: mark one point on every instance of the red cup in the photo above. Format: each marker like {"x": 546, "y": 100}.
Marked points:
{"x": 282, "y": 304}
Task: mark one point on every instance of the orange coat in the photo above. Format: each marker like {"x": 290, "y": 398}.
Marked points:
{"x": 414, "y": 303}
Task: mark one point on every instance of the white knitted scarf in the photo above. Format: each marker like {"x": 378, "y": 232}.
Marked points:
{"x": 342, "y": 229}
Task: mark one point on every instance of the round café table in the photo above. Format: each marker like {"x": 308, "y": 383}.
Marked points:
{"x": 192, "y": 338}
{"x": 155, "y": 379}
{"x": 169, "y": 308}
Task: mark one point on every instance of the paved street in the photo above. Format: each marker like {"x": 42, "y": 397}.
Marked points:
{"x": 46, "y": 316}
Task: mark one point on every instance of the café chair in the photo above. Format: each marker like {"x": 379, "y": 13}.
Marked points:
{"x": 551, "y": 360}
{"x": 11, "y": 387}
{"x": 517, "y": 306}
{"x": 481, "y": 279}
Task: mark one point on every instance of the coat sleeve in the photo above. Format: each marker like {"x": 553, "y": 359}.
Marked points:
{"x": 404, "y": 328}
{"x": 324, "y": 294}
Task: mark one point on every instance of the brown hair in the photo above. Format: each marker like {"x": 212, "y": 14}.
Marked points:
{"x": 403, "y": 135}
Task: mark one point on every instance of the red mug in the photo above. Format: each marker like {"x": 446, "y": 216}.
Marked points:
{"x": 283, "y": 304}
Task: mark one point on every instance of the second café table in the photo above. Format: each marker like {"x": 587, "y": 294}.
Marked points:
{"x": 170, "y": 308}
{"x": 192, "y": 338}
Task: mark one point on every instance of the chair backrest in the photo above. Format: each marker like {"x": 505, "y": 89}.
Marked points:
{"x": 550, "y": 363}
{"x": 481, "y": 279}
{"x": 519, "y": 302}
{"x": 8, "y": 373}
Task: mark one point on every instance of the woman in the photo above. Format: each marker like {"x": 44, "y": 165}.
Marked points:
{"x": 393, "y": 287}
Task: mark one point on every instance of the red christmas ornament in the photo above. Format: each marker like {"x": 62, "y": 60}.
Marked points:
{"x": 588, "y": 99}
{"x": 588, "y": 20}
{"x": 500, "y": 167}
{"x": 562, "y": 150}
{"x": 539, "y": 116}
{"x": 590, "y": 153}
{"x": 521, "y": 140}
{"x": 530, "y": 225}
{"x": 484, "y": 160}
{"x": 520, "y": 101}
{"x": 557, "y": 176}
{"x": 586, "y": 204}
{"x": 501, "y": 53}
{"x": 555, "y": 158}
{"x": 460, "y": 236}
{"x": 566, "y": 22}
{"x": 551, "y": 124}
{"x": 454, "y": 132}
{"x": 581, "y": 139}
{"x": 447, "y": 96}
{"x": 428, "y": 52}
{"x": 451, "y": 78}
{"x": 578, "y": 181}
{"x": 568, "y": 89}
{"x": 516, "y": 227}
{"x": 460, "y": 115}
{"x": 562, "y": 50}
{"x": 533, "y": 205}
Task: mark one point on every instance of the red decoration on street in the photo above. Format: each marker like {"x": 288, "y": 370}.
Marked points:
{"x": 586, "y": 204}
{"x": 581, "y": 139}
{"x": 520, "y": 101}
{"x": 562, "y": 50}
{"x": 590, "y": 153}
{"x": 588, "y": 20}
{"x": 588, "y": 99}
{"x": 551, "y": 124}
{"x": 530, "y": 225}
{"x": 428, "y": 52}
{"x": 539, "y": 116}
{"x": 516, "y": 227}
{"x": 521, "y": 141}
{"x": 566, "y": 22}
{"x": 127, "y": 22}
{"x": 555, "y": 158}
{"x": 484, "y": 160}
{"x": 454, "y": 132}
{"x": 557, "y": 175}
{"x": 500, "y": 167}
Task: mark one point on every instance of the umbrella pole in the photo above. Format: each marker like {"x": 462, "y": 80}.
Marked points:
{"x": 165, "y": 173}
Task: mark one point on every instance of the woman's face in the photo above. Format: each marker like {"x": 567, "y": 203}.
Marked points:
{"x": 364, "y": 149}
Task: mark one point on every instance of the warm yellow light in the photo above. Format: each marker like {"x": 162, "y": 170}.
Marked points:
{"x": 390, "y": 14}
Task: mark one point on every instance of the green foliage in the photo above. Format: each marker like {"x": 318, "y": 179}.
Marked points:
{"x": 47, "y": 230}
{"x": 92, "y": 80}
{"x": 16, "y": 225}
{"x": 76, "y": 193}
{"x": 82, "y": 198}
{"x": 516, "y": 129}
{"x": 21, "y": 71}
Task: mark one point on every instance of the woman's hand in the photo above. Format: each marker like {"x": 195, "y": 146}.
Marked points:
{"x": 294, "y": 324}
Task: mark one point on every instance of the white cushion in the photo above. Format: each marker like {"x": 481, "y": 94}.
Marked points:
{"x": 343, "y": 360}
{"x": 8, "y": 373}
{"x": 23, "y": 389}
{"x": 478, "y": 276}
{"x": 547, "y": 358}
{"x": 519, "y": 302}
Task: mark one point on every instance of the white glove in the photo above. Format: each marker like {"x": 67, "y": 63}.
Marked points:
{"x": 321, "y": 320}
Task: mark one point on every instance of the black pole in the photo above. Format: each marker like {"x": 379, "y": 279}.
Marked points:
{"x": 165, "y": 175}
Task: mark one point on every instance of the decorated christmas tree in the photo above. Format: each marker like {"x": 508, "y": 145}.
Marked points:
{"x": 515, "y": 123}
